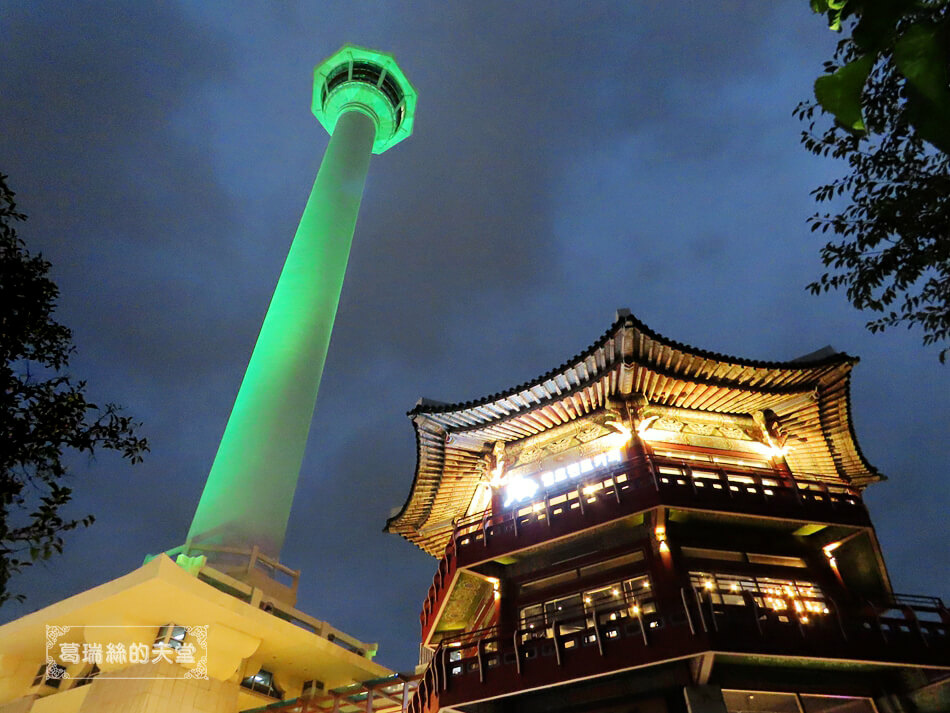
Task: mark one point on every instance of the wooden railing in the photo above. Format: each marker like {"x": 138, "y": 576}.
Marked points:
{"x": 493, "y": 662}
{"x": 627, "y": 488}
{"x": 443, "y": 576}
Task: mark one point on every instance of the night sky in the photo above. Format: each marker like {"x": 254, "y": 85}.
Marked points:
{"x": 568, "y": 159}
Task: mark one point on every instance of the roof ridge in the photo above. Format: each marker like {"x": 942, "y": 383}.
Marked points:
{"x": 625, "y": 318}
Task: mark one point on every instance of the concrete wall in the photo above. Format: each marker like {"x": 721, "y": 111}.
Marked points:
{"x": 21, "y": 705}
{"x": 168, "y": 692}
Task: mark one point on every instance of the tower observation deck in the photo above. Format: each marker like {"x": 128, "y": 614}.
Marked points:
{"x": 367, "y": 105}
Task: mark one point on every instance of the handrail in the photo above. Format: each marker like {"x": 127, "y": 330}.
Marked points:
{"x": 496, "y": 646}
{"x": 619, "y": 480}
{"x": 730, "y": 479}
{"x": 658, "y": 473}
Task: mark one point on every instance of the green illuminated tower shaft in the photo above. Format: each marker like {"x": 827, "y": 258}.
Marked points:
{"x": 247, "y": 498}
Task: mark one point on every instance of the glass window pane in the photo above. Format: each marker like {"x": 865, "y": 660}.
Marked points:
{"x": 638, "y": 587}
{"x": 760, "y": 702}
{"x": 836, "y": 704}
{"x": 563, "y": 608}
{"x": 532, "y": 617}
{"x": 604, "y": 596}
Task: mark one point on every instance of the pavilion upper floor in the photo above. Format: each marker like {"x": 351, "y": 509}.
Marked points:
{"x": 685, "y": 425}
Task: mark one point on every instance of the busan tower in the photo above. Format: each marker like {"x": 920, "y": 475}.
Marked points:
{"x": 367, "y": 105}
{"x": 226, "y": 596}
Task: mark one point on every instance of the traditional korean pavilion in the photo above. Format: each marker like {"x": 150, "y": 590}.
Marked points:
{"x": 655, "y": 527}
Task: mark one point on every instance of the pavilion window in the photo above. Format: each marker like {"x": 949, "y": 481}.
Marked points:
{"x": 263, "y": 682}
{"x": 785, "y": 596}
{"x": 170, "y": 636}
{"x": 49, "y": 675}
{"x": 575, "y": 612}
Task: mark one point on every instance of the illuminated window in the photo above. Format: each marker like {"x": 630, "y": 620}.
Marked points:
{"x": 780, "y": 595}
{"x": 49, "y": 675}
{"x": 263, "y": 682}
{"x": 567, "y": 611}
{"x": 610, "y": 603}
{"x": 533, "y": 617}
{"x": 170, "y": 636}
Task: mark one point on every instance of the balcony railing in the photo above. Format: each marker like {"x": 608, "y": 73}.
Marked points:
{"x": 438, "y": 589}
{"x": 391, "y": 694}
{"x": 584, "y": 642}
{"x": 628, "y": 488}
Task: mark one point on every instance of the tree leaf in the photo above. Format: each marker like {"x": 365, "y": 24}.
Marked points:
{"x": 920, "y": 56}
{"x": 878, "y": 20}
{"x": 840, "y": 93}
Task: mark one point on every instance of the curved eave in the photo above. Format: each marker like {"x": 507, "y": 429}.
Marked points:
{"x": 629, "y": 358}
{"x": 651, "y": 348}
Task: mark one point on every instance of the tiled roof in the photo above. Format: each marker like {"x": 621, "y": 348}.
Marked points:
{"x": 630, "y": 358}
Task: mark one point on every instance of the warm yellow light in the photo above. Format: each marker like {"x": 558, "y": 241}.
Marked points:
{"x": 615, "y": 592}
{"x": 664, "y": 547}
{"x": 734, "y": 587}
{"x": 636, "y": 609}
{"x": 587, "y": 600}
{"x": 498, "y": 475}
{"x": 708, "y": 584}
{"x": 623, "y": 434}
{"x": 644, "y": 425}
{"x": 804, "y": 620}
{"x": 770, "y": 449}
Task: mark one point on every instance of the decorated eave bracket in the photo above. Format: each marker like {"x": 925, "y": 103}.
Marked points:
{"x": 619, "y": 420}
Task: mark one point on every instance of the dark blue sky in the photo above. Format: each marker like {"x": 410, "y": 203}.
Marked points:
{"x": 569, "y": 159}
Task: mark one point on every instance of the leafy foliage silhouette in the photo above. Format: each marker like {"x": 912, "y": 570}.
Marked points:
{"x": 886, "y": 87}
{"x": 44, "y": 413}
